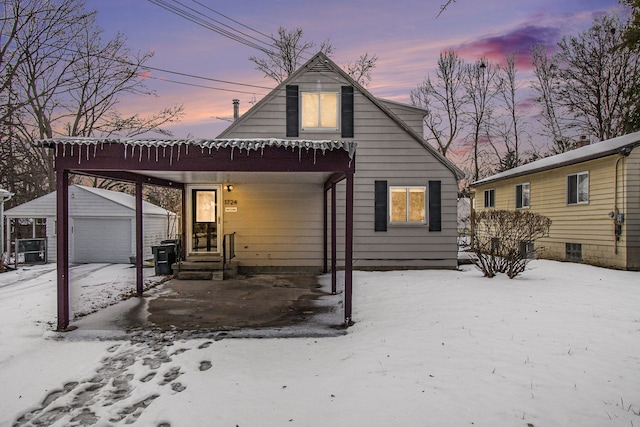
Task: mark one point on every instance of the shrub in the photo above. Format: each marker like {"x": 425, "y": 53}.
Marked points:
{"x": 503, "y": 240}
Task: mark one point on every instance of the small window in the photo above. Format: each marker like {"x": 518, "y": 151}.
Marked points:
{"x": 578, "y": 188}
{"x": 407, "y": 205}
{"x": 527, "y": 249}
{"x": 490, "y": 198}
{"x": 319, "y": 111}
{"x": 573, "y": 252}
{"x": 523, "y": 195}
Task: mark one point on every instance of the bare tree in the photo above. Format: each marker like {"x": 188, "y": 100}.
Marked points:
{"x": 480, "y": 79}
{"x": 444, "y": 7}
{"x": 631, "y": 34}
{"x": 289, "y": 52}
{"x": 554, "y": 117}
{"x": 64, "y": 80}
{"x": 361, "y": 69}
{"x": 444, "y": 99}
{"x": 599, "y": 79}
{"x": 506, "y": 136}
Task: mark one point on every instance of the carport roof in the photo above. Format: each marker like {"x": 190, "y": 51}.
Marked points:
{"x": 248, "y": 144}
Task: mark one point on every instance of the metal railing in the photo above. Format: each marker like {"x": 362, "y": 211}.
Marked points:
{"x": 228, "y": 247}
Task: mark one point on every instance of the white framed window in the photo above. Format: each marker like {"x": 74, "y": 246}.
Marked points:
{"x": 490, "y": 198}
{"x": 319, "y": 110}
{"x": 523, "y": 195}
{"x": 407, "y": 205}
{"x": 578, "y": 188}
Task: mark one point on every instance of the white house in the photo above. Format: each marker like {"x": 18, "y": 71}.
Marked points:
{"x": 102, "y": 224}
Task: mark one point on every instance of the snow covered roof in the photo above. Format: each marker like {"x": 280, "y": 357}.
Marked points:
{"x": 46, "y": 205}
{"x": 620, "y": 145}
{"x": 125, "y": 200}
{"x": 252, "y": 144}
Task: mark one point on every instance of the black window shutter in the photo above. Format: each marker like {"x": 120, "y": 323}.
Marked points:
{"x": 435, "y": 206}
{"x": 292, "y": 110}
{"x": 347, "y": 111}
{"x": 381, "y": 201}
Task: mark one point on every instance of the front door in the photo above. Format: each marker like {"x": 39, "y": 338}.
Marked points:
{"x": 205, "y": 230}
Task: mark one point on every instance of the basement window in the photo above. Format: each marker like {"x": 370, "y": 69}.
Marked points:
{"x": 573, "y": 252}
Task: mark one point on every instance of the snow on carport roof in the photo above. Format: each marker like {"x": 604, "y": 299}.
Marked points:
{"x": 589, "y": 152}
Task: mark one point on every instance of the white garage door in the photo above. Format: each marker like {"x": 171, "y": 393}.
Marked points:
{"x": 102, "y": 240}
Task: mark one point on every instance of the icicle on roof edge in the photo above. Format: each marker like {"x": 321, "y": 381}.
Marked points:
{"x": 241, "y": 144}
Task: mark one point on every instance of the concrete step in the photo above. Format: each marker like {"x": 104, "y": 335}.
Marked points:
{"x": 204, "y": 257}
{"x": 197, "y": 266}
{"x": 199, "y": 275}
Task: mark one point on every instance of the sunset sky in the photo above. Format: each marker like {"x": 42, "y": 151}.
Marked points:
{"x": 406, "y": 36}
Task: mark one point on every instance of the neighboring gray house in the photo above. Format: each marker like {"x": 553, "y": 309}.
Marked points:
{"x": 102, "y": 224}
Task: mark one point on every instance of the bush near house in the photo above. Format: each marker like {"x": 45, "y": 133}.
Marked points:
{"x": 503, "y": 240}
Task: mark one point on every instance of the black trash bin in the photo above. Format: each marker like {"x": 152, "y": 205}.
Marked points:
{"x": 163, "y": 257}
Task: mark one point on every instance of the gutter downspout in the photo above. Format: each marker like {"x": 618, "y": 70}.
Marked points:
{"x": 616, "y": 222}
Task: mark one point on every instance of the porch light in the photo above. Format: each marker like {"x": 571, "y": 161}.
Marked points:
{"x": 228, "y": 187}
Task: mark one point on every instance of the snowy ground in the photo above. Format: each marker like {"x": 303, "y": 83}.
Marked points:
{"x": 559, "y": 346}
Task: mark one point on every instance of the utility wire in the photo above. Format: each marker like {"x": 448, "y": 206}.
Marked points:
{"x": 205, "y": 24}
{"x": 162, "y": 70}
{"x": 202, "y": 86}
{"x": 233, "y": 20}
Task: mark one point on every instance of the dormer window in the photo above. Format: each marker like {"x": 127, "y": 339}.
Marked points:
{"x": 319, "y": 111}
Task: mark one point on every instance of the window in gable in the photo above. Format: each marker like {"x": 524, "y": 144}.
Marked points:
{"x": 319, "y": 110}
{"x": 578, "y": 188}
{"x": 490, "y": 198}
{"x": 523, "y": 195}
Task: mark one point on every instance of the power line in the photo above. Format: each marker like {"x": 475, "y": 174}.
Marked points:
{"x": 162, "y": 70}
{"x": 208, "y": 25}
{"x": 233, "y": 20}
{"x": 202, "y": 86}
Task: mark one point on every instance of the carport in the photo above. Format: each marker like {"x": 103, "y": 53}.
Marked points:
{"x": 178, "y": 163}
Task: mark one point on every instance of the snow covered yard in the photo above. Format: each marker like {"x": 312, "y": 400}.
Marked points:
{"x": 558, "y": 346}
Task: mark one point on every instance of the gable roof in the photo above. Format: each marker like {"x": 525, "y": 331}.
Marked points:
{"x": 126, "y": 200}
{"x": 321, "y": 62}
{"x": 620, "y": 145}
{"x": 36, "y": 207}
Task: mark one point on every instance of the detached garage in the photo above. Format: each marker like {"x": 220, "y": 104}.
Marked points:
{"x": 102, "y": 225}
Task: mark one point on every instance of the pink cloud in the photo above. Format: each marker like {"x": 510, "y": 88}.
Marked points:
{"x": 518, "y": 41}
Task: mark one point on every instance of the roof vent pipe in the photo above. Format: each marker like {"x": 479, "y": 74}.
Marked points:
{"x": 236, "y": 105}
